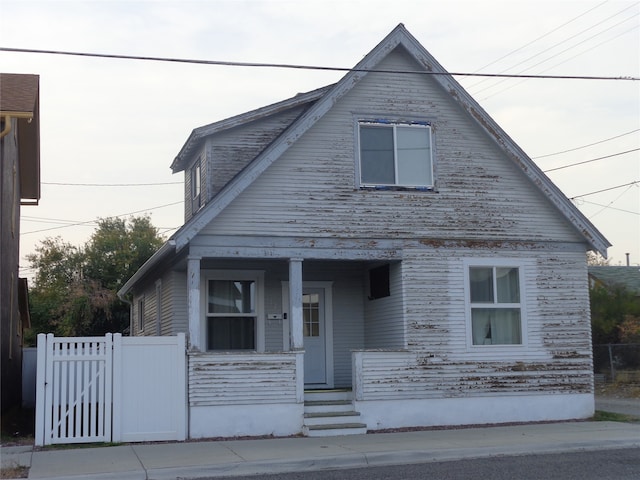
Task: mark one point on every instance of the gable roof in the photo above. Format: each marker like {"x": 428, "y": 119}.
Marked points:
{"x": 324, "y": 99}
{"x": 199, "y": 134}
{"x": 399, "y": 36}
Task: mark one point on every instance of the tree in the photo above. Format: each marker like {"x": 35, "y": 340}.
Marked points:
{"x": 58, "y": 266}
{"x": 597, "y": 260}
{"x": 610, "y": 306}
{"x": 75, "y": 289}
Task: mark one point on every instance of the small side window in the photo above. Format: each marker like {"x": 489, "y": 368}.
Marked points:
{"x": 379, "y": 282}
{"x": 141, "y": 312}
{"x": 196, "y": 184}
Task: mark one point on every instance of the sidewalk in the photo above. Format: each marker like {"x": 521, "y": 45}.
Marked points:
{"x": 244, "y": 457}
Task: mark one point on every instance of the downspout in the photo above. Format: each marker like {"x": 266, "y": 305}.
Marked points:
{"x": 7, "y": 126}
{"x": 130, "y": 314}
{"x": 8, "y": 116}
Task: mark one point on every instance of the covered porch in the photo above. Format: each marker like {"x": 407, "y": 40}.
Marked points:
{"x": 290, "y": 327}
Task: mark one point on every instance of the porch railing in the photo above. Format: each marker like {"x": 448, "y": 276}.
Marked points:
{"x": 245, "y": 378}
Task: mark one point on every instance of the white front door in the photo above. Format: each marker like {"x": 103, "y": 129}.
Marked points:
{"x": 314, "y": 332}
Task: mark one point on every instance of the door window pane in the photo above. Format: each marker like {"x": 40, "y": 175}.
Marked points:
{"x": 311, "y": 315}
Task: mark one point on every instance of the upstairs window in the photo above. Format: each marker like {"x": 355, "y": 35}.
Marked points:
{"x": 395, "y": 155}
{"x": 495, "y": 305}
{"x": 196, "y": 183}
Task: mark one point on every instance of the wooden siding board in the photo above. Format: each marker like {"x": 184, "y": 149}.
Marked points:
{"x": 384, "y": 317}
{"x": 311, "y": 190}
{"x": 556, "y": 358}
{"x": 228, "y": 379}
{"x": 179, "y": 311}
{"x": 483, "y": 206}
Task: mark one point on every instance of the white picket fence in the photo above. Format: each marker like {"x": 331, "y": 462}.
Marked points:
{"x": 110, "y": 389}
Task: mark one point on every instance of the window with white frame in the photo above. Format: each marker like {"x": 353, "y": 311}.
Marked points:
{"x": 141, "y": 308}
{"x": 495, "y": 305}
{"x": 196, "y": 184}
{"x": 231, "y": 314}
{"x": 395, "y": 154}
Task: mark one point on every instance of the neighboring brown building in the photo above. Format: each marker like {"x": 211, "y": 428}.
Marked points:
{"x": 19, "y": 185}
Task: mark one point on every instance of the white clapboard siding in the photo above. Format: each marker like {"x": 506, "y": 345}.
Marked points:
{"x": 252, "y": 378}
{"x": 230, "y": 151}
{"x": 311, "y": 190}
{"x": 385, "y": 316}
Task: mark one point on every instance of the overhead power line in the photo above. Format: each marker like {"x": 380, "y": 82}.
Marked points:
{"x": 89, "y": 222}
{"x": 610, "y": 207}
{"x": 308, "y": 67}
{"x": 111, "y": 184}
{"x": 539, "y": 38}
{"x": 592, "y": 160}
{"x": 562, "y": 51}
{"x": 585, "y": 146}
{"x": 606, "y": 189}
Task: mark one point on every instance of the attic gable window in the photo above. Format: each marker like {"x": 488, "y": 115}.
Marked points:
{"x": 395, "y": 155}
{"x": 196, "y": 183}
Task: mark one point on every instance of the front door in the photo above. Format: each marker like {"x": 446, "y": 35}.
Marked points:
{"x": 314, "y": 332}
{"x": 317, "y": 331}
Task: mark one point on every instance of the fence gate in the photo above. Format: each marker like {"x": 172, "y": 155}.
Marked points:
{"x": 87, "y": 387}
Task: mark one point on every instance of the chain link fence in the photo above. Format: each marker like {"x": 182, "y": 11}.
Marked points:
{"x": 617, "y": 362}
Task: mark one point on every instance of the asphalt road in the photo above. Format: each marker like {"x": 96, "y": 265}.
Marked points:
{"x": 621, "y": 464}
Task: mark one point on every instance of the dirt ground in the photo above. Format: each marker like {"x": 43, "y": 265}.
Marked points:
{"x": 17, "y": 427}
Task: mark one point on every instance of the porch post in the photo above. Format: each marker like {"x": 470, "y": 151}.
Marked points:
{"x": 193, "y": 306}
{"x": 295, "y": 303}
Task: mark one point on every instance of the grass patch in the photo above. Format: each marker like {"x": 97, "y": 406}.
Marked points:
{"x": 601, "y": 416}
{"x": 14, "y": 472}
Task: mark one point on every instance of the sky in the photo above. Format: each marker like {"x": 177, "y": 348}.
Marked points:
{"x": 110, "y": 128}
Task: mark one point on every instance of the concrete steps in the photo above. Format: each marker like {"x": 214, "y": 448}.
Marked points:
{"x": 330, "y": 413}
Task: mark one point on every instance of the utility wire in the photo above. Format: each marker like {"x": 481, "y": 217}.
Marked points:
{"x": 604, "y": 207}
{"x": 611, "y": 208}
{"x": 556, "y": 65}
{"x": 111, "y": 184}
{"x": 585, "y": 146}
{"x": 589, "y": 161}
{"x": 310, "y": 67}
{"x": 88, "y": 222}
{"x": 533, "y": 41}
{"x": 606, "y": 189}
{"x": 560, "y": 52}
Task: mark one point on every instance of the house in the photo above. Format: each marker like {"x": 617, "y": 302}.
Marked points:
{"x": 20, "y": 183}
{"x": 379, "y": 246}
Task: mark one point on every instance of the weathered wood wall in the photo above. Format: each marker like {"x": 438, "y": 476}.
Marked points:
{"x": 241, "y": 378}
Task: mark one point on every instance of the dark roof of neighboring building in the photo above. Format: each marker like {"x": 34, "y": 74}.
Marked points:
{"x": 20, "y": 99}
{"x": 18, "y": 93}
{"x": 626, "y": 276}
